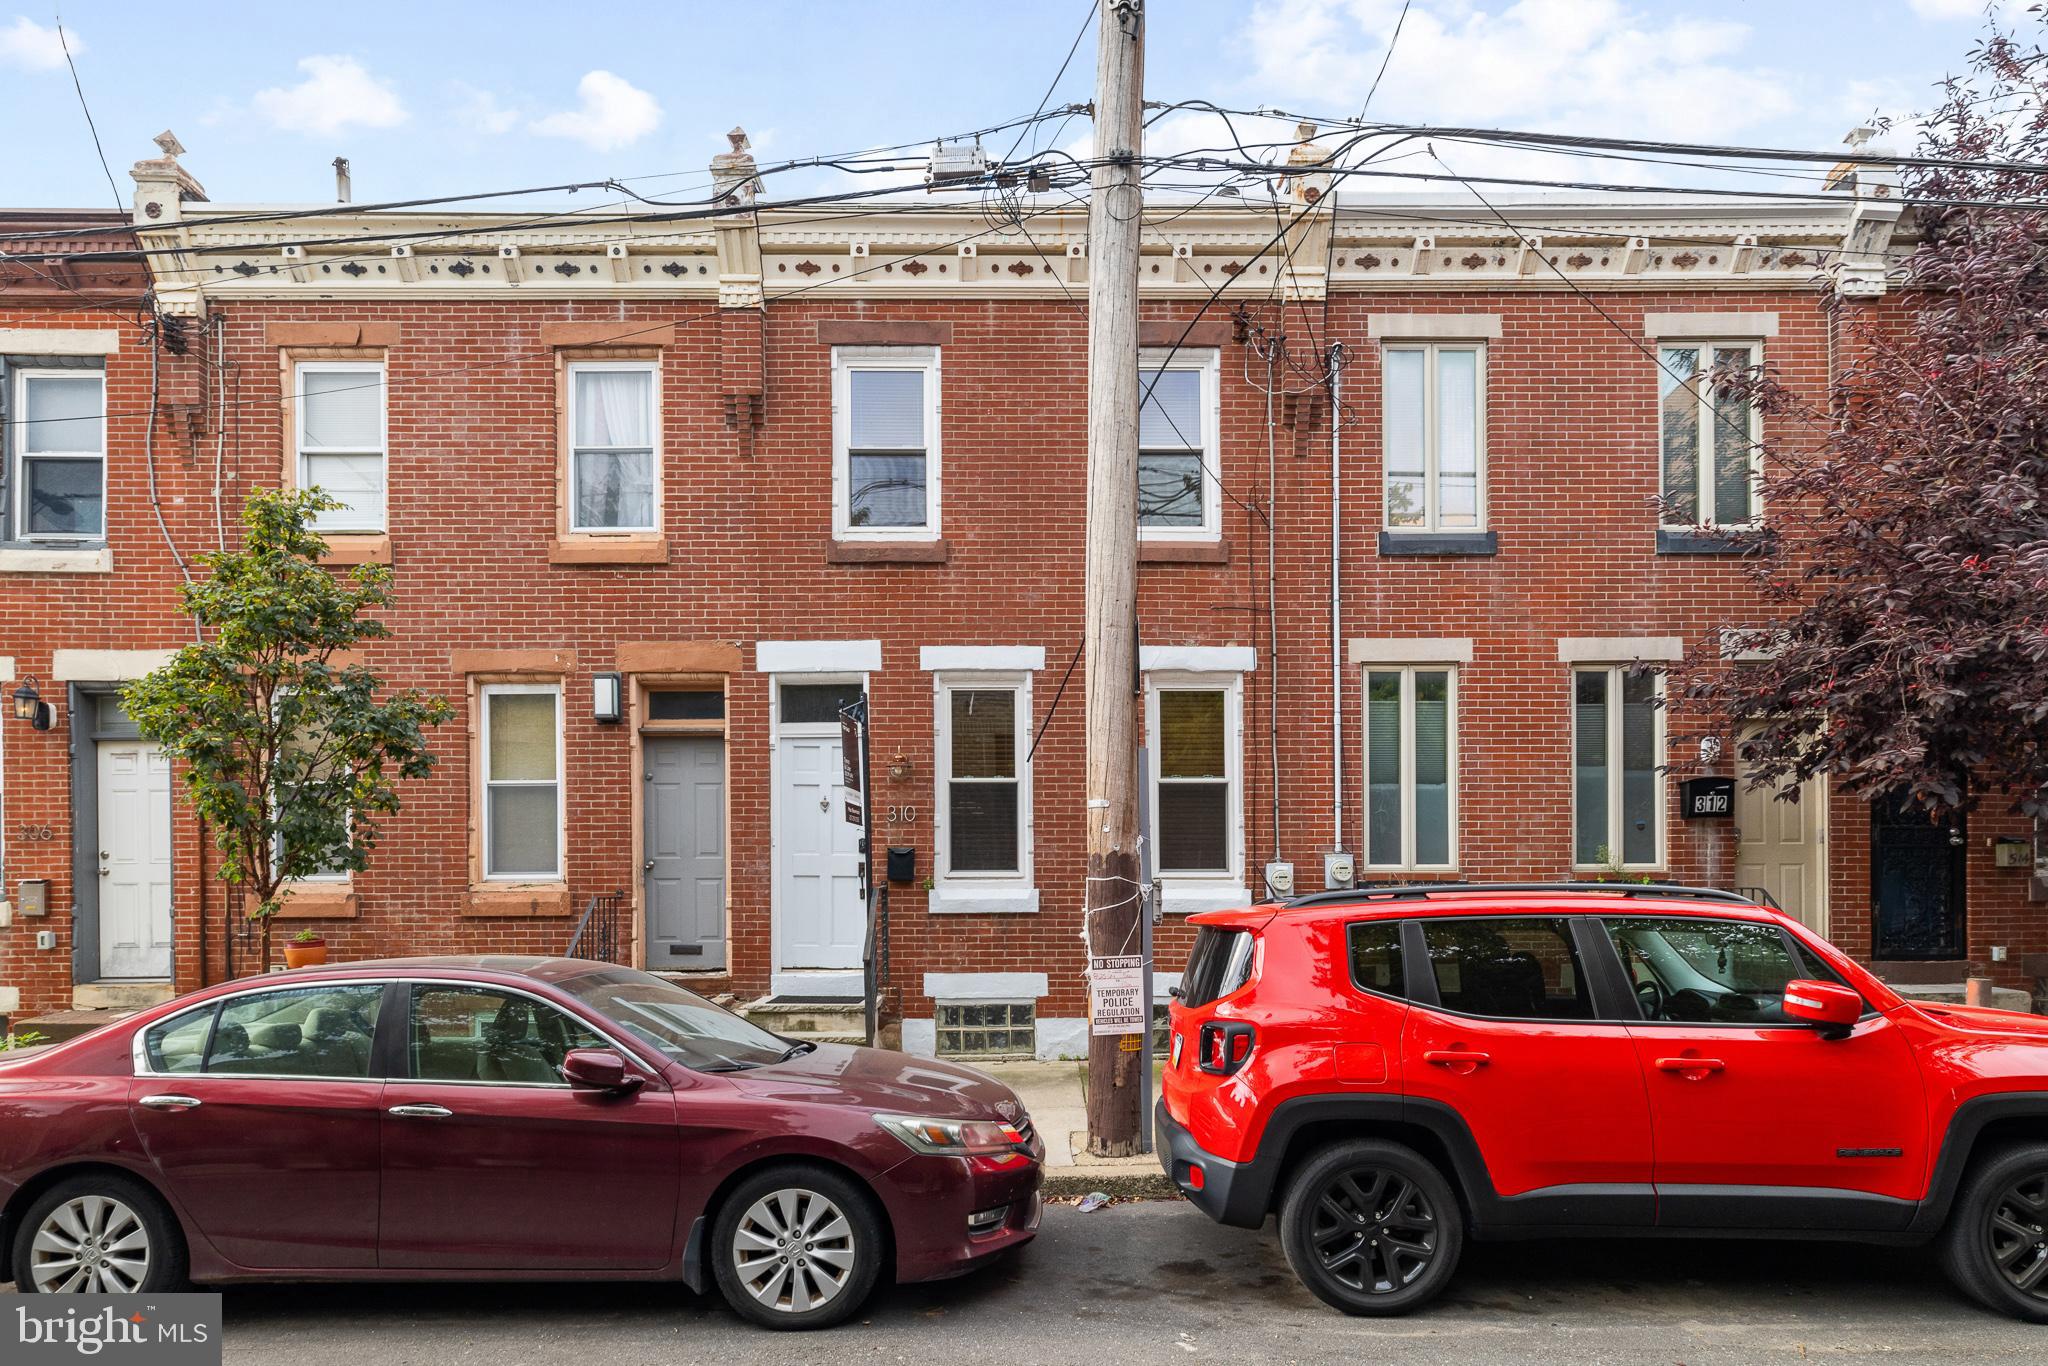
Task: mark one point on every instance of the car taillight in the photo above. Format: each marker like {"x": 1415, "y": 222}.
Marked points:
{"x": 1224, "y": 1046}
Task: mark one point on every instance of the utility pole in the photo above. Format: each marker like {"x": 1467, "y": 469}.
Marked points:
{"x": 1114, "y": 897}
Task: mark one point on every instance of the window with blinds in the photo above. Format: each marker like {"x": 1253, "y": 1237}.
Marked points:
{"x": 522, "y": 781}
{"x": 1178, "y": 498}
{"x": 1411, "y": 768}
{"x": 885, "y": 464}
{"x": 1193, "y": 803}
{"x": 984, "y": 805}
{"x": 1708, "y": 436}
{"x": 1617, "y": 745}
{"x": 1434, "y": 431}
{"x": 340, "y": 434}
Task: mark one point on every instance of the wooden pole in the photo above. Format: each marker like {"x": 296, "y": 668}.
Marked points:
{"x": 1113, "y": 895}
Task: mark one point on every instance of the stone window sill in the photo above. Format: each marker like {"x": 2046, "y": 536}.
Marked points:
{"x": 968, "y": 899}
{"x": 1193, "y": 895}
{"x": 1701, "y": 542}
{"x": 37, "y": 559}
{"x": 887, "y": 552}
{"x": 321, "y": 901}
{"x": 1183, "y": 552}
{"x": 357, "y": 547}
{"x": 1439, "y": 543}
{"x": 608, "y": 550}
{"x": 522, "y": 899}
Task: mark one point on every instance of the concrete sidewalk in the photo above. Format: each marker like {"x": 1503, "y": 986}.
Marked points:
{"x": 1054, "y": 1095}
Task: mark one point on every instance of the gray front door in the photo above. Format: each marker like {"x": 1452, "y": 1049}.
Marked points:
{"x": 685, "y": 811}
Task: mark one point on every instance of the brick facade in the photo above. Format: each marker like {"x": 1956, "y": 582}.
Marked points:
{"x": 486, "y": 588}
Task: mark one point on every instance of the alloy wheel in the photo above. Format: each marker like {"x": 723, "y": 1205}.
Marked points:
{"x": 91, "y": 1243}
{"x": 1373, "y": 1230}
{"x": 2017, "y": 1229}
{"x": 793, "y": 1250}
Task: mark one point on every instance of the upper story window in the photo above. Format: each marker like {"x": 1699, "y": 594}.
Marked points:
{"x": 1179, "y": 498}
{"x": 522, "y": 781}
{"x": 1708, "y": 436}
{"x": 614, "y": 472}
{"x": 1617, "y": 746}
{"x": 885, "y": 442}
{"x": 341, "y": 441}
{"x": 1435, "y": 432}
{"x": 1411, "y": 788}
{"x": 60, "y": 448}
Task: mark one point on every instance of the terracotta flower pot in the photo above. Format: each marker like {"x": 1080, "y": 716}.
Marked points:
{"x": 304, "y": 955}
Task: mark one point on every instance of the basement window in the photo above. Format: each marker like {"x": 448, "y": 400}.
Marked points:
{"x": 1002, "y": 1029}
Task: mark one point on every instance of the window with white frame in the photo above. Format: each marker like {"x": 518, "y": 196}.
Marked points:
{"x": 1179, "y": 498}
{"x": 341, "y": 447}
{"x": 522, "y": 781}
{"x": 984, "y": 734}
{"x": 1435, "y": 436}
{"x": 614, "y": 470}
{"x": 1411, "y": 767}
{"x": 1617, "y": 748}
{"x": 1195, "y": 728}
{"x": 1708, "y": 435}
{"x": 300, "y": 755}
{"x": 885, "y": 442}
{"x": 60, "y": 446}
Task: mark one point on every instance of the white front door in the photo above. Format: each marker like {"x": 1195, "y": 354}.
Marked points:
{"x": 819, "y": 918}
{"x": 135, "y": 860}
{"x": 1780, "y": 848}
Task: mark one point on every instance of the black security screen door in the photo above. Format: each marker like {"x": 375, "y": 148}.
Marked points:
{"x": 1916, "y": 872}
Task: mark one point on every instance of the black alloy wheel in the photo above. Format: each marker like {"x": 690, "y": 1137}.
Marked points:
{"x": 2016, "y": 1227}
{"x": 1371, "y": 1227}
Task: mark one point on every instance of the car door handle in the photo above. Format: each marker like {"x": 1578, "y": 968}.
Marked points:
{"x": 421, "y": 1111}
{"x": 1693, "y": 1068}
{"x": 171, "y": 1102}
{"x": 1456, "y": 1057}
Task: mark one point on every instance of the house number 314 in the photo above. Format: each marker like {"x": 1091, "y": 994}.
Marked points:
{"x": 902, "y": 815}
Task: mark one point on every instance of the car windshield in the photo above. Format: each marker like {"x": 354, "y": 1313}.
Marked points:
{"x": 682, "y": 1024}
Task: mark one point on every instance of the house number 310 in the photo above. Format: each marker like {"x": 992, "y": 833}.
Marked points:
{"x": 902, "y": 815}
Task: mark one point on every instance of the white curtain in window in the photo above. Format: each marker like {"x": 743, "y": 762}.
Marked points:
{"x": 614, "y": 408}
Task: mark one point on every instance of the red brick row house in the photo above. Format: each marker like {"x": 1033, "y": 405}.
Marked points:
{"x": 664, "y": 492}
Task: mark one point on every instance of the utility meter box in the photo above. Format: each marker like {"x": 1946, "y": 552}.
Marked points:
{"x": 1280, "y": 879}
{"x": 1340, "y": 870}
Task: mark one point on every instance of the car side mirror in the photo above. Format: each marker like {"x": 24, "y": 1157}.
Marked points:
{"x": 599, "y": 1069}
{"x": 1830, "y": 1007}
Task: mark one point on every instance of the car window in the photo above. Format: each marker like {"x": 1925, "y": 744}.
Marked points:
{"x": 1509, "y": 967}
{"x": 484, "y": 1034}
{"x": 1375, "y": 948}
{"x": 682, "y": 1024}
{"x": 1695, "y": 971}
{"x": 174, "y": 1045}
{"x": 298, "y": 1032}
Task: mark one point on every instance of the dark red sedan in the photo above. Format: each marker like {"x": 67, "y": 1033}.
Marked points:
{"x": 487, "y": 1118}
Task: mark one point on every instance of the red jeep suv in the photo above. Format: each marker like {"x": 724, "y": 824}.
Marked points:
{"x": 1395, "y": 1070}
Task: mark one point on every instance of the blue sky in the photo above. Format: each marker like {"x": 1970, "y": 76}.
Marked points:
{"x": 434, "y": 98}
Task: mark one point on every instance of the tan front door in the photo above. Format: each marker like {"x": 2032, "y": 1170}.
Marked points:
{"x": 1782, "y": 848}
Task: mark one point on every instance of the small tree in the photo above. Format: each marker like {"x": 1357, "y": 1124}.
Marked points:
{"x": 289, "y": 758}
{"x": 1909, "y": 533}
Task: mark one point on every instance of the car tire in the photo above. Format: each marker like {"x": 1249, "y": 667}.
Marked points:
{"x": 118, "y": 1232}
{"x": 1995, "y": 1245}
{"x": 1371, "y": 1227}
{"x": 797, "y": 1247}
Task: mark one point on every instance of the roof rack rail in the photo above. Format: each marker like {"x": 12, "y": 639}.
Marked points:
{"x": 1401, "y": 891}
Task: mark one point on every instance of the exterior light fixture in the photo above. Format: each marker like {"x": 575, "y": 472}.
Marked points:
{"x": 30, "y": 707}
{"x": 606, "y": 690}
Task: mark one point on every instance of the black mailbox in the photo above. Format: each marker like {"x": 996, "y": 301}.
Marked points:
{"x": 902, "y": 864}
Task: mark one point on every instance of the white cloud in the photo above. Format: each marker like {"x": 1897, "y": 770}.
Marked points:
{"x": 30, "y": 45}
{"x": 1948, "y": 9}
{"x": 480, "y": 111}
{"x": 336, "y": 94}
{"x": 612, "y": 113}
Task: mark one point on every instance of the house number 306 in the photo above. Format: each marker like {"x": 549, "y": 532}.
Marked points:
{"x": 37, "y": 834}
{"x": 902, "y": 815}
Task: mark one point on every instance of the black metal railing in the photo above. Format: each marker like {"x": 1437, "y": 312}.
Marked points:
{"x": 601, "y": 933}
{"x": 874, "y": 958}
{"x": 1760, "y": 895}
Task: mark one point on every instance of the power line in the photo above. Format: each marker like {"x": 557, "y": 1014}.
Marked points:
{"x": 1384, "y": 60}
{"x": 65, "y": 43}
{"x": 1087, "y": 20}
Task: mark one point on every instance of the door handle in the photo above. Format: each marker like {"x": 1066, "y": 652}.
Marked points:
{"x": 1456, "y": 1057}
{"x": 421, "y": 1111}
{"x": 1691, "y": 1068}
{"x": 170, "y": 1102}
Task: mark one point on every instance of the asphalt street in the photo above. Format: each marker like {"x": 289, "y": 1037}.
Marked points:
{"x": 1157, "y": 1282}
